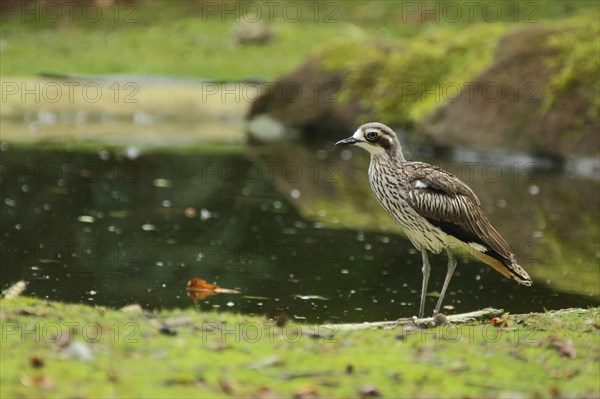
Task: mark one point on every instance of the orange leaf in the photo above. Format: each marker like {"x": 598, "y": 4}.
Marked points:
{"x": 199, "y": 289}
{"x": 500, "y": 322}
{"x": 196, "y": 284}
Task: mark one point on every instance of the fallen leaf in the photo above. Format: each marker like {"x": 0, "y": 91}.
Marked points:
{"x": 564, "y": 347}
{"x": 567, "y": 350}
{"x": 308, "y": 392}
{"x": 113, "y": 375}
{"x": 265, "y": 393}
{"x": 281, "y": 319}
{"x": 500, "y": 322}
{"x": 63, "y": 338}
{"x": 37, "y": 381}
{"x": 225, "y": 386}
{"x": 198, "y": 289}
{"x": 369, "y": 392}
{"x": 36, "y": 362}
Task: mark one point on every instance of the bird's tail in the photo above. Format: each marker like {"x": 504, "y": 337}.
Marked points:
{"x": 509, "y": 268}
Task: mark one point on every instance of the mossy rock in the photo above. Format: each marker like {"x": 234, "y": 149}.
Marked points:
{"x": 532, "y": 89}
{"x": 525, "y": 101}
{"x": 306, "y": 104}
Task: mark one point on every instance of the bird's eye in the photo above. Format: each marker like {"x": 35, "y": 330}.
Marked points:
{"x": 372, "y": 135}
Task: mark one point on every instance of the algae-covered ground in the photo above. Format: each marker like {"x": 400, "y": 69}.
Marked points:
{"x": 51, "y": 349}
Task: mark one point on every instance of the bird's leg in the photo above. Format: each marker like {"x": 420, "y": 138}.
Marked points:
{"x": 426, "y": 272}
{"x": 451, "y": 268}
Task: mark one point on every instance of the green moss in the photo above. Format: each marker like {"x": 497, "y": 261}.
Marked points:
{"x": 404, "y": 81}
{"x": 220, "y": 355}
{"x": 575, "y": 64}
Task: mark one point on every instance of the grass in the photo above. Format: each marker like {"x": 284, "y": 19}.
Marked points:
{"x": 192, "y": 38}
{"x": 160, "y": 39}
{"x": 223, "y": 355}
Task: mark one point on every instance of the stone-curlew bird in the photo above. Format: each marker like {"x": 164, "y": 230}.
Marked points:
{"x": 435, "y": 208}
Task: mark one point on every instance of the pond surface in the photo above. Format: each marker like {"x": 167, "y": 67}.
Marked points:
{"x": 303, "y": 237}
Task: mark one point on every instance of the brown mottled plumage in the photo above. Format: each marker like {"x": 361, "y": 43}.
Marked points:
{"x": 435, "y": 208}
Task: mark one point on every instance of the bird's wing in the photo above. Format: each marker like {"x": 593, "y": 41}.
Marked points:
{"x": 449, "y": 204}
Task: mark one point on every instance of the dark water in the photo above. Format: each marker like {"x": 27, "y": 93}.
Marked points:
{"x": 114, "y": 229}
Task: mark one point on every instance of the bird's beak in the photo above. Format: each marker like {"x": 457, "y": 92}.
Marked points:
{"x": 348, "y": 141}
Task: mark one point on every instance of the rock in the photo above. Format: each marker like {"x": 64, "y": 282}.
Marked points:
{"x": 252, "y": 30}
{"x": 303, "y": 104}
{"x": 264, "y": 128}
{"x": 440, "y": 319}
{"x": 505, "y": 105}
{"x": 133, "y": 308}
{"x": 537, "y": 95}
{"x": 78, "y": 351}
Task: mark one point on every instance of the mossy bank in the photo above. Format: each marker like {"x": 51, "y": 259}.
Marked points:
{"x": 52, "y": 349}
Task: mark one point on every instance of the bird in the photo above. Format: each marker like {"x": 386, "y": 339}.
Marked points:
{"x": 437, "y": 211}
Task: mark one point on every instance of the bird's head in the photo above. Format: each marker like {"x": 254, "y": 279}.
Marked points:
{"x": 376, "y": 138}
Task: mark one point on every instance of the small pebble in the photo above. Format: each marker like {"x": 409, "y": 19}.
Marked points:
{"x": 440, "y": 319}
{"x": 167, "y": 331}
{"x": 133, "y": 308}
{"x": 79, "y": 351}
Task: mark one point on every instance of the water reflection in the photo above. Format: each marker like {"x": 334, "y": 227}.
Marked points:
{"x": 295, "y": 229}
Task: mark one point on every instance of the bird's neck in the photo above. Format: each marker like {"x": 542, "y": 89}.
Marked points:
{"x": 393, "y": 157}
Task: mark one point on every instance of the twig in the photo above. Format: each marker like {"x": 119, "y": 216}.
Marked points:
{"x": 424, "y": 322}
